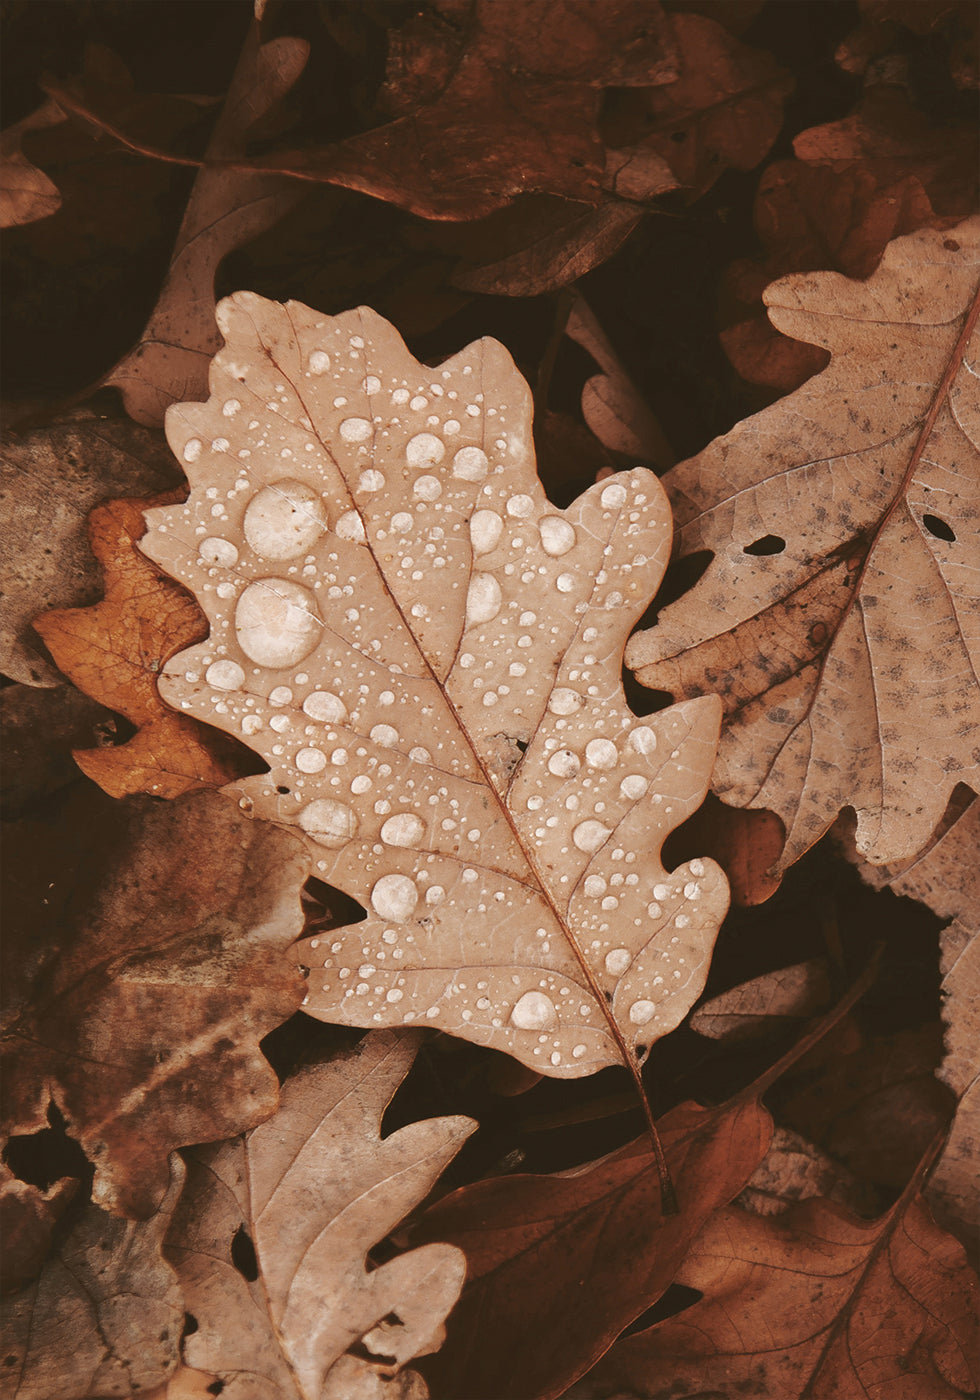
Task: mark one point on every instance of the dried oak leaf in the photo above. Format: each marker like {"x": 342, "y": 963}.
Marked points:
{"x": 104, "y": 1317}
{"x": 558, "y": 1265}
{"x": 313, "y": 1190}
{"x": 812, "y": 1303}
{"x": 428, "y": 656}
{"x": 766, "y": 1005}
{"x": 26, "y": 193}
{"x": 838, "y": 613}
{"x": 49, "y": 481}
{"x": 113, "y": 651}
{"x": 508, "y": 105}
{"x": 164, "y": 965}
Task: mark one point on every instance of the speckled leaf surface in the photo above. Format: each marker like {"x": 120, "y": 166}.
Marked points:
{"x": 839, "y": 617}
{"x": 428, "y": 656}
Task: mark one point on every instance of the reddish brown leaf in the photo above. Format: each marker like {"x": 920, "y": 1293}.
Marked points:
{"x": 746, "y": 843}
{"x": 27, "y": 1217}
{"x": 156, "y": 964}
{"x": 114, "y": 651}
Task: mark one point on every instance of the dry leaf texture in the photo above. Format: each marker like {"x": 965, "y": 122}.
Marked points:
{"x": 428, "y": 656}
{"x": 315, "y": 1188}
{"x": 839, "y": 614}
{"x": 814, "y": 1304}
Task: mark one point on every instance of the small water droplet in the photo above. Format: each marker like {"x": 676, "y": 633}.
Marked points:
{"x": 634, "y": 786}
{"x": 221, "y": 553}
{"x": 371, "y": 480}
{"x": 192, "y": 449}
{"x": 372, "y": 384}
{"x": 595, "y": 886}
{"x": 563, "y": 701}
{"x": 565, "y": 583}
{"x": 428, "y": 488}
{"x": 578, "y": 1052}
{"x": 614, "y": 496}
{"x": 311, "y": 761}
{"x": 533, "y": 1012}
{"x": 520, "y": 506}
{"x": 225, "y": 675}
{"x": 350, "y": 526}
{"x": 404, "y": 829}
{"x": 394, "y": 897}
{"x": 325, "y": 706}
{"x": 319, "y": 362}
{"x": 280, "y": 695}
{"x": 642, "y": 739}
{"x": 641, "y": 1012}
{"x": 328, "y": 823}
{"x": 486, "y": 527}
{"x": 384, "y": 734}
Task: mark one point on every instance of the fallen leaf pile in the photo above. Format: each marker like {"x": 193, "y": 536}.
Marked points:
{"x": 491, "y": 712}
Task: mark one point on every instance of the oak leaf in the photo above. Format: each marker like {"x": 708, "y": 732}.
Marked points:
{"x": 26, "y": 193}
{"x": 313, "y": 1190}
{"x": 838, "y": 614}
{"x": 428, "y": 656}
{"x": 113, "y": 652}
{"x": 156, "y": 952}
{"x": 764, "y": 1006}
{"x": 812, "y": 1303}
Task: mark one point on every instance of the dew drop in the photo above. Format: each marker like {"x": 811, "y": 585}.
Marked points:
{"x": 424, "y": 450}
{"x": 595, "y": 886}
{"x": 486, "y": 528}
{"x": 614, "y": 496}
{"x": 328, "y": 823}
{"x": 355, "y": 430}
{"x": 218, "y": 552}
{"x": 384, "y": 734}
{"x": 284, "y": 519}
{"x": 371, "y": 480}
{"x": 534, "y": 1012}
{"x": 564, "y": 763}
{"x": 470, "y": 464}
{"x": 276, "y": 622}
{"x": 404, "y": 829}
{"x": 280, "y": 695}
{"x": 483, "y": 598}
{"x": 361, "y": 784}
{"x": 372, "y": 384}
{"x": 428, "y": 488}
{"x": 563, "y": 701}
{"x": 641, "y": 1012}
{"x": 617, "y": 961}
{"x": 319, "y": 362}
{"x": 565, "y": 583}
{"x": 311, "y": 761}
{"x": 434, "y": 895}
{"x": 325, "y": 706}
{"x": 578, "y": 1052}
{"x": 225, "y": 675}
{"x": 394, "y": 897}
{"x": 634, "y": 786}
{"x": 401, "y": 522}
{"x": 642, "y": 739}
{"x": 350, "y": 526}
{"x": 601, "y": 753}
{"x": 557, "y": 536}
{"x": 520, "y": 506}
{"x": 588, "y": 836}
{"x": 192, "y": 449}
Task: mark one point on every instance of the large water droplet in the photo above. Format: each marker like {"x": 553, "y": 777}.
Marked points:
{"x": 284, "y": 519}
{"x": 520, "y": 507}
{"x": 483, "y": 599}
{"x": 486, "y": 528}
{"x": 641, "y": 1012}
{"x": 643, "y": 739}
{"x": 470, "y": 464}
{"x": 428, "y": 488}
{"x": 403, "y": 829}
{"x": 276, "y": 622}
{"x": 218, "y": 552}
{"x": 424, "y": 450}
{"x": 319, "y": 362}
{"x": 564, "y": 763}
{"x": 311, "y": 761}
{"x": 601, "y": 753}
{"x": 614, "y": 496}
{"x": 384, "y": 734}
{"x": 589, "y": 836}
{"x": 534, "y": 1012}
{"x": 325, "y": 706}
{"x": 394, "y": 897}
{"x": 617, "y": 961}
{"x": 557, "y": 536}
{"x": 563, "y": 701}
{"x": 225, "y": 675}
{"x": 329, "y": 823}
{"x": 355, "y": 430}
{"x": 350, "y": 526}
{"x": 634, "y": 786}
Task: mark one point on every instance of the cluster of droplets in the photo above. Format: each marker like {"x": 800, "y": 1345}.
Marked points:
{"x": 359, "y": 679}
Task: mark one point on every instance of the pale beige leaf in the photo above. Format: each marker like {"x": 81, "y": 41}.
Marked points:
{"x": 795, "y": 1170}
{"x": 765, "y": 1005}
{"x": 840, "y": 613}
{"x": 26, "y": 193}
{"x": 315, "y": 1188}
{"x": 104, "y": 1317}
{"x": 428, "y": 656}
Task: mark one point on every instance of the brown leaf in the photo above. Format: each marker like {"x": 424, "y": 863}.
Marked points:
{"x": 557, "y": 1266}
{"x": 428, "y": 655}
{"x": 723, "y": 111}
{"x": 313, "y": 1190}
{"x": 105, "y": 1316}
{"x": 38, "y": 730}
{"x": 28, "y": 1215}
{"x": 836, "y": 612}
{"x": 26, "y": 193}
{"x": 153, "y": 948}
{"x": 746, "y": 844}
{"x": 766, "y": 1005}
{"x": 114, "y": 652}
{"x": 794, "y": 1170}
{"x": 813, "y": 1303}
{"x": 49, "y": 481}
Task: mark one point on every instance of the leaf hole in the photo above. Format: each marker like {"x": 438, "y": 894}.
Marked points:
{"x": 768, "y": 544}
{"x": 243, "y": 1255}
{"x": 190, "y": 1325}
{"x": 283, "y": 791}
{"x": 216, "y": 1387}
{"x": 45, "y": 1157}
{"x": 939, "y": 529}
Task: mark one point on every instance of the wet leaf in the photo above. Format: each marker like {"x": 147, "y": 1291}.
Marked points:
{"x": 836, "y": 615}
{"x": 428, "y": 656}
{"x": 297, "y": 1313}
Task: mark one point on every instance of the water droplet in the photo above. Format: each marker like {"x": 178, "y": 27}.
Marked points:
{"x": 328, "y": 823}
{"x": 424, "y": 450}
{"x": 483, "y": 598}
{"x": 642, "y": 739}
{"x": 384, "y": 734}
{"x": 634, "y": 786}
{"x": 251, "y": 724}
{"x": 556, "y": 1057}
{"x": 486, "y": 528}
{"x": 283, "y": 520}
{"x": 534, "y": 1012}
{"x": 404, "y": 829}
{"x": 372, "y": 384}
{"x": 350, "y": 526}
{"x": 355, "y": 430}
{"x": 276, "y": 622}
{"x": 614, "y": 496}
{"x": 280, "y": 695}
{"x": 371, "y": 480}
{"x": 325, "y": 706}
{"x": 395, "y": 994}
{"x": 470, "y": 464}
{"x": 218, "y": 552}
{"x": 230, "y": 407}
{"x": 557, "y": 536}
{"x": 692, "y": 890}
{"x": 394, "y": 897}
{"x": 192, "y": 449}
{"x": 595, "y": 885}
{"x": 311, "y": 761}
{"x": 362, "y": 783}
{"x": 563, "y": 701}
{"x": 520, "y": 506}
{"x": 319, "y": 362}
{"x": 225, "y": 675}
{"x": 565, "y": 583}
{"x": 641, "y": 1012}
{"x": 696, "y": 866}
{"x": 435, "y": 894}
{"x": 564, "y": 763}
{"x": 401, "y": 522}
{"x": 428, "y": 488}
{"x": 601, "y": 753}
{"x": 654, "y": 911}
{"x": 588, "y": 836}
{"x": 661, "y": 891}
{"x": 617, "y": 961}
{"x": 578, "y": 1052}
